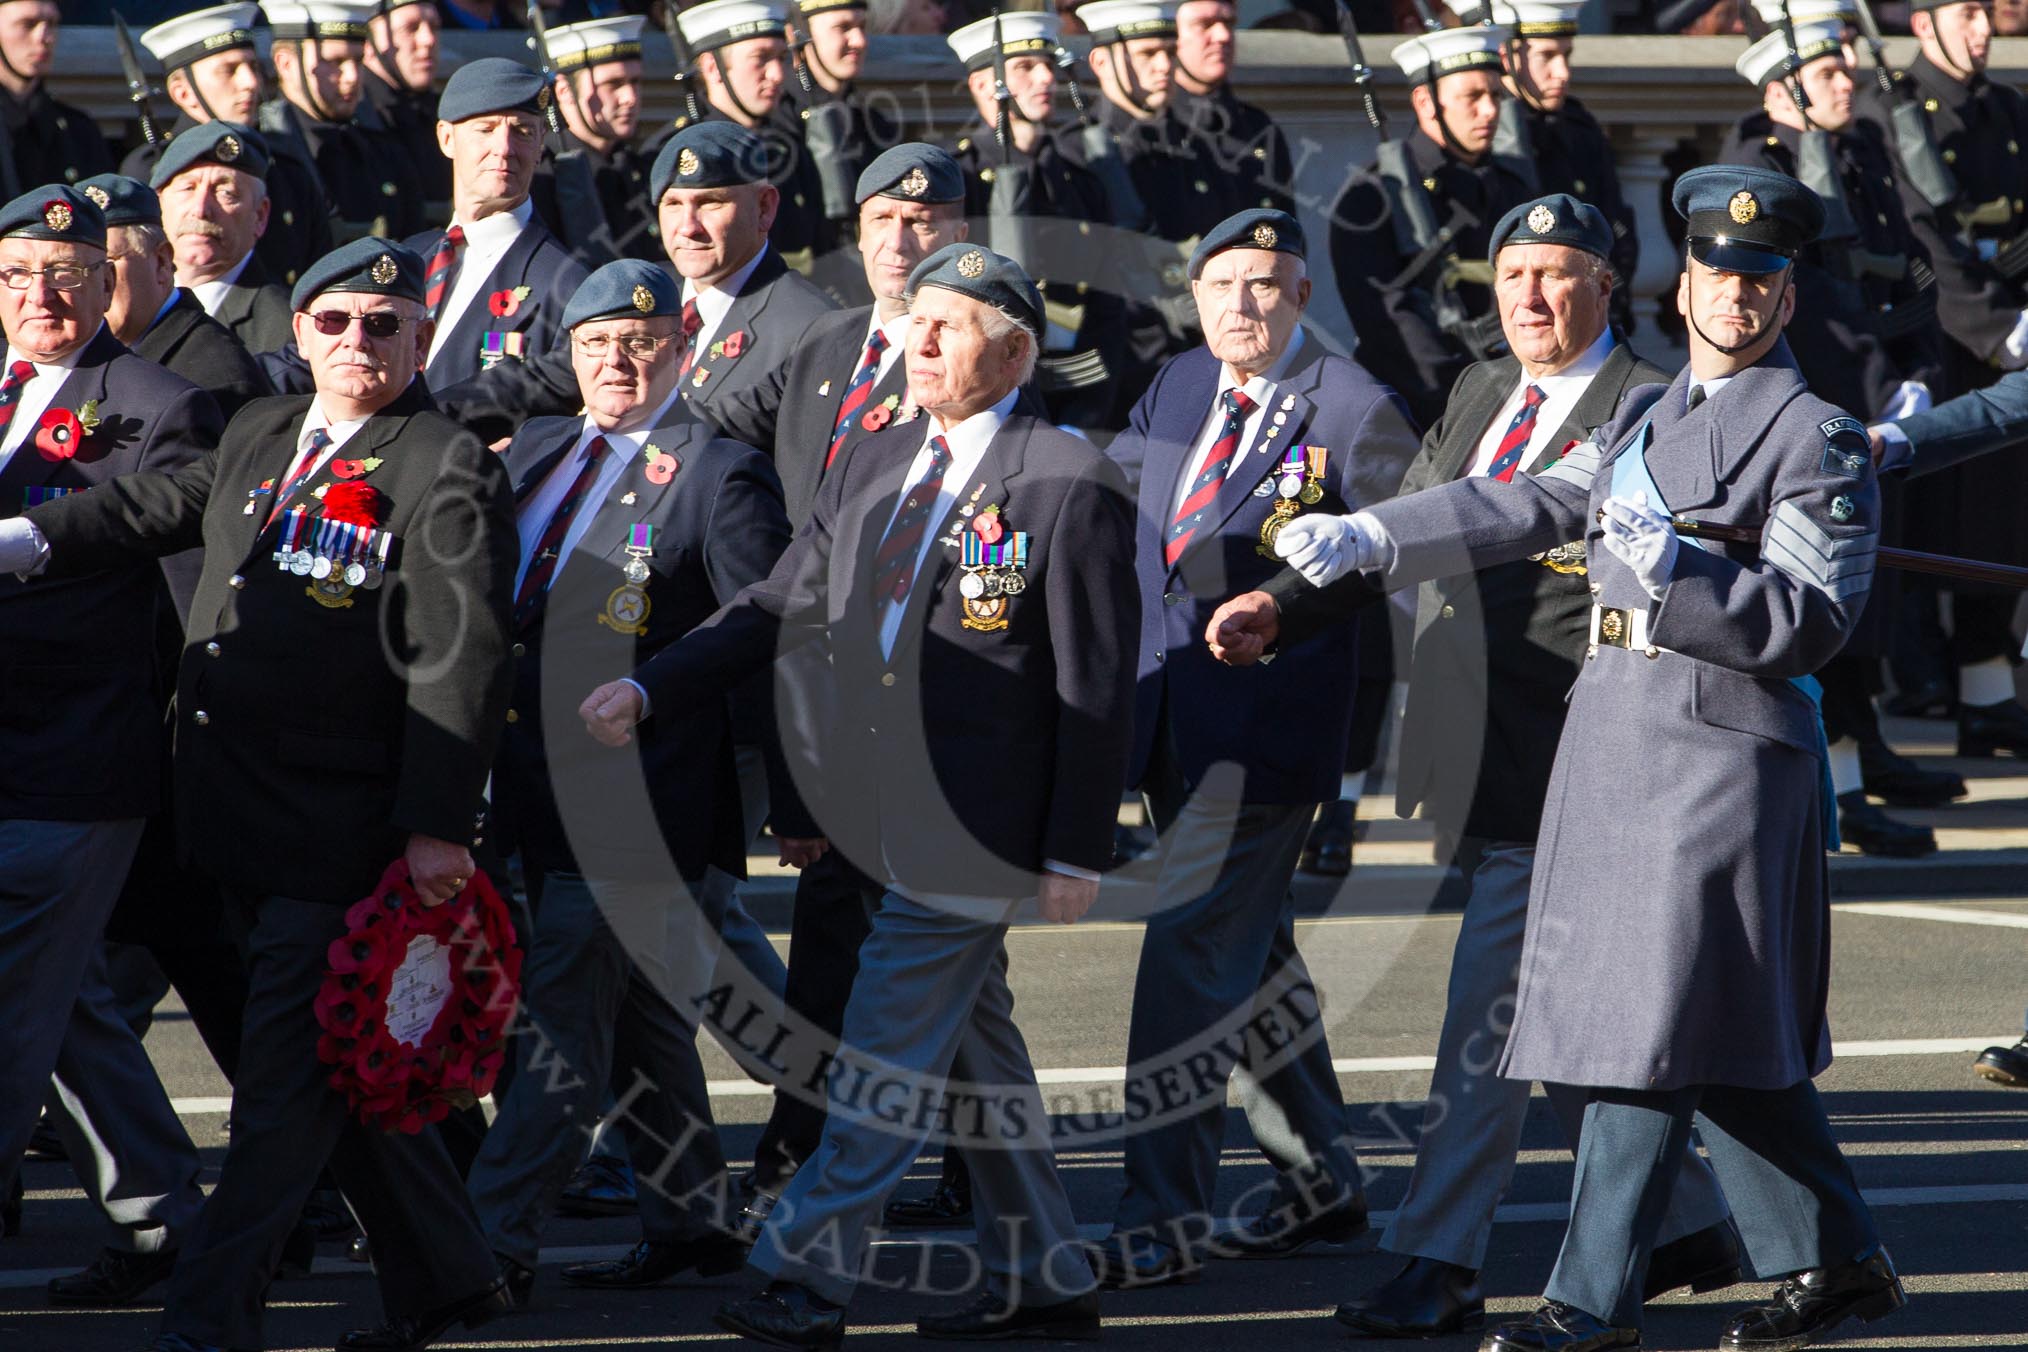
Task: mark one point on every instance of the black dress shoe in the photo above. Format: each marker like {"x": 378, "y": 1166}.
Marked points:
{"x": 1811, "y": 1304}
{"x": 517, "y": 1281}
{"x": 1328, "y": 851}
{"x": 1899, "y": 782}
{"x": 44, "y": 1145}
{"x": 1871, "y": 831}
{"x": 602, "y": 1186}
{"x": 1705, "y": 1260}
{"x": 991, "y": 1318}
{"x": 177, "y": 1342}
{"x": 1428, "y": 1298}
{"x": 115, "y": 1277}
{"x": 412, "y": 1333}
{"x": 2005, "y": 1065}
{"x": 1934, "y": 698}
{"x": 784, "y": 1314}
{"x": 656, "y": 1260}
{"x": 942, "y": 1209}
{"x": 1285, "y": 1230}
{"x": 1989, "y": 729}
{"x": 1126, "y": 1262}
{"x": 1556, "y": 1327}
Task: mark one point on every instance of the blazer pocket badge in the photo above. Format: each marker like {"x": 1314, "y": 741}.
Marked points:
{"x": 993, "y": 558}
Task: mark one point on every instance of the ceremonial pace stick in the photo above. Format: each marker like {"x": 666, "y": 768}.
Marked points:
{"x": 1907, "y": 560}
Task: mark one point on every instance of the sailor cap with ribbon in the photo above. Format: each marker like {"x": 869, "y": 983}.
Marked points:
{"x": 338, "y": 20}
{"x": 1540, "y": 18}
{"x": 1768, "y": 60}
{"x": 573, "y": 46}
{"x": 1022, "y": 33}
{"x": 178, "y": 42}
{"x": 1435, "y": 55}
{"x": 1805, "y": 11}
{"x": 721, "y": 23}
{"x": 1123, "y": 20}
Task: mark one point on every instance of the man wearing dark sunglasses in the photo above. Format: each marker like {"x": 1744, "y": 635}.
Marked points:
{"x": 346, "y": 666}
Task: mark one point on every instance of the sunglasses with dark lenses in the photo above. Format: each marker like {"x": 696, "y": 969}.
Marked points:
{"x": 377, "y": 323}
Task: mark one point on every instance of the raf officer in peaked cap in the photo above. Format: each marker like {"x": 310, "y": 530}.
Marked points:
{"x": 361, "y": 539}
{"x": 1691, "y": 713}
{"x": 212, "y": 184}
{"x": 214, "y": 75}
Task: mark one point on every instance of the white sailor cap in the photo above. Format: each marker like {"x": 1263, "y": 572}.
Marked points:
{"x": 340, "y": 20}
{"x": 1024, "y": 32}
{"x": 720, "y": 23}
{"x": 1805, "y": 11}
{"x": 1768, "y": 60}
{"x": 1434, "y": 55}
{"x": 1540, "y": 18}
{"x": 201, "y": 33}
{"x": 1121, "y": 20}
{"x": 573, "y": 45}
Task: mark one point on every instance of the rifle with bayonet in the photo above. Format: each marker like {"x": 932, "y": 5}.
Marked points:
{"x": 1009, "y": 196}
{"x": 1513, "y": 147}
{"x": 1102, "y": 153}
{"x": 137, "y": 81}
{"x": 686, "y": 61}
{"x": 581, "y": 215}
{"x": 1362, "y": 74}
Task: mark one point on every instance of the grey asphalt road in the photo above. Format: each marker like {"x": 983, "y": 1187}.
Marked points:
{"x": 1918, "y": 988}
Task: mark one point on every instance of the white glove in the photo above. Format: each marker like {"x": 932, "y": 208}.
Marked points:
{"x": 1324, "y": 548}
{"x": 1912, "y": 398}
{"x": 1895, "y": 452}
{"x": 1642, "y": 538}
{"x": 21, "y": 546}
{"x": 2016, "y": 345}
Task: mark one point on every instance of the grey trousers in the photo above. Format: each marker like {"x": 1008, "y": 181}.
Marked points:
{"x": 1796, "y": 1201}
{"x": 1472, "y": 1129}
{"x": 61, "y": 1034}
{"x": 1219, "y": 966}
{"x": 931, "y": 982}
{"x": 286, "y": 1122}
{"x": 612, "y": 982}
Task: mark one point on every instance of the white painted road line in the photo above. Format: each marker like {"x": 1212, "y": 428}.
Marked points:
{"x": 1948, "y": 914}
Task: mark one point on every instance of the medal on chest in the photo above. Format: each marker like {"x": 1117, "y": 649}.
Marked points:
{"x": 994, "y": 559}
{"x": 1298, "y": 482}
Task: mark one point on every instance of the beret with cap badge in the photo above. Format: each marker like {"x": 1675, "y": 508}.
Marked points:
{"x": 1254, "y": 228}
{"x": 998, "y": 281}
{"x": 631, "y": 288}
{"x": 56, "y": 212}
{"x": 372, "y": 265}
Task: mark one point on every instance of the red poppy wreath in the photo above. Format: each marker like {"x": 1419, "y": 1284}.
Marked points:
{"x": 416, "y": 1002}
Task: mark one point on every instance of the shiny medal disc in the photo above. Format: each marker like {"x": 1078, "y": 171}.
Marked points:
{"x": 995, "y": 583}
{"x": 1312, "y": 494}
{"x": 1289, "y": 486}
{"x": 971, "y": 586}
{"x": 355, "y": 574}
{"x": 373, "y": 577}
{"x": 637, "y": 570}
{"x": 1012, "y": 584}
{"x": 300, "y": 563}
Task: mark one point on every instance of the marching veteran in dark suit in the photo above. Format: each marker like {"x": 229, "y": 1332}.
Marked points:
{"x": 1675, "y": 964}
{"x": 1234, "y": 440}
{"x": 212, "y": 185}
{"x": 636, "y": 523}
{"x": 1495, "y": 653}
{"x": 81, "y": 724}
{"x": 497, "y": 280}
{"x": 155, "y": 317}
{"x": 973, "y": 576}
{"x": 346, "y": 669}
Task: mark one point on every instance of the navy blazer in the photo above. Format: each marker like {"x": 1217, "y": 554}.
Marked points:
{"x": 537, "y": 260}
{"x": 979, "y": 753}
{"x": 81, "y": 693}
{"x": 562, "y": 800}
{"x": 1284, "y": 725}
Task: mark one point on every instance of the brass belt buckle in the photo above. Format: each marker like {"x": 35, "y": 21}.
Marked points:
{"x": 1615, "y": 627}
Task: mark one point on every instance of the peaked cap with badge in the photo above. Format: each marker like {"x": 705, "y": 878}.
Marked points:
{"x": 1745, "y": 219}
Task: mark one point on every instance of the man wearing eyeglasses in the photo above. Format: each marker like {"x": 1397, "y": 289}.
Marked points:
{"x": 81, "y": 724}
{"x": 339, "y": 699}
{"x": 636, "y": 522}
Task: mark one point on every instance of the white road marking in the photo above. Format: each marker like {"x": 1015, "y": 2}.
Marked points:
{"x": 1949, "y": 914}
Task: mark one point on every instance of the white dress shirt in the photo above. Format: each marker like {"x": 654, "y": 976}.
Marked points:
{"x": 896, "y": 332}
{"x": 623, "y": 451}
{"x": 211, "y": 294}
{"x": 339, "y": 432}
{"x": 713, "y": 301}
{"x": 37, "y": 394}
{"x": 1260, "y": 389}
{"x": 1560, "y": 394}
{"x": 486, "y": 243}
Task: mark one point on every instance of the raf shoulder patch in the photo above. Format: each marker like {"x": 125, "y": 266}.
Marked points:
{"x": 1846, "y": 449}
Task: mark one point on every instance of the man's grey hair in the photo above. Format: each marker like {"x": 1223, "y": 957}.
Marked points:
{"x": 998, "y": 324}
{"x": 138, "y": 239}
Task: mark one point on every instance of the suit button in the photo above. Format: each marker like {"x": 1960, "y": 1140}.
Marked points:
{"x": 1172, "y": 599}
{"x": 1161, "y": 657}
{"x": 236, "y": 582}
{"x": 887, "y": 678}
{"x": 1448, "y": 612}
{"x": 201, "y": 719}
{"x": 513, "y": 716}
{"x": 521, "y": 650}
{"x": 212, "y": 649}
{"x": 478, "y": 841}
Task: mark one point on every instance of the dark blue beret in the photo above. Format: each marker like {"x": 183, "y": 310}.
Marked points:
{"x": 1558, "y": 218}
{"x": 1256, "y": 228}
{"x": 986, "y": 276}
{"x": 1746, "y": 219}
{"x": 912, "y": 172}
{"x": 375, "y": 266}
{"x": 123, "y": 200}
{"x": 629, "y": 289}
{"x": 709, "y": 154}
{"x": 492, "y": 84}
{"x": 55, "y": 211}
{"x": 226, "y": 143}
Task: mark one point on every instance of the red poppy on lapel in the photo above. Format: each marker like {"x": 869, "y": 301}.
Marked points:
{"x": 58, "y": 434}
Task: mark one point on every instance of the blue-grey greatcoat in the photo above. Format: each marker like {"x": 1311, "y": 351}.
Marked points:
{"x": 1678, "y": 925}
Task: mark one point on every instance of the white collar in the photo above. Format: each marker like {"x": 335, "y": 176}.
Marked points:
{"x": 315, "y": 418}
{"x": 969, "y": 438}
{"x": 66, "y": 363}
{"x": 498, "y": 230}
{"x": 723, "y": 292}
